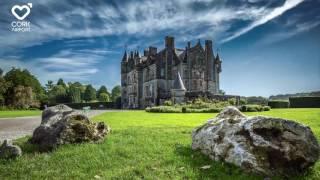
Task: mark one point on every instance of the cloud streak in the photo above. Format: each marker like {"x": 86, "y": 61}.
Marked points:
{"x": 276, "y": 12}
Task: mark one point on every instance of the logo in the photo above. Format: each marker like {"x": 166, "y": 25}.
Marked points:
{"x": 21, "y": 8}
{"x": 21, "y": 12}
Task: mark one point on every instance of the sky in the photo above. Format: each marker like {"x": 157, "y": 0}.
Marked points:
{"x": 267, "y": 47}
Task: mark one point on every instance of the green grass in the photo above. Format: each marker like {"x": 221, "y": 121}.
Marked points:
{"x": 142, "y": 146}
{"x": 18, "y": 113}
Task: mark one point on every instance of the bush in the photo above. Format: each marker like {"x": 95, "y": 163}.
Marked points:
{"x": 266, "y": 108}
{"x": 278, "y": 104}
{"x": 167, "y": 103}
{"x": 163, "y": 109}
{"x": 184, "y": 109}
{"x": 205, "y": 110}
{"x": 254, "y": 108}
{"x": 232, "y": 101}
{"x": 93, "y": 105}
{"x": 304, "y": 102}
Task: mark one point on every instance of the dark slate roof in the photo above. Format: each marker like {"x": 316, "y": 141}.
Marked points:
{"x": 178, "y": 83}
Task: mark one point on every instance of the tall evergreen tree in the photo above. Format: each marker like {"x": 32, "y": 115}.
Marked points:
{"x": 90, "y": 93}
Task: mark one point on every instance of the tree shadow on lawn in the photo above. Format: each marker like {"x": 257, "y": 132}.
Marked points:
{"x": 223, "y": 170}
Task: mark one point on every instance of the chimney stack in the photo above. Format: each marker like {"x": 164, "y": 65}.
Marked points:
{"x": 169, "y": 42}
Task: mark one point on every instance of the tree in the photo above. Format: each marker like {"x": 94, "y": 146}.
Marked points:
{"x": 3, "y": 88}
{"x": 257, "y": 100}
{"x": 22, "y": 97}
{"x": 74, "y": 93}
{"x": 115, "y": 93}
{"x": 103, "y": 89}
{"x": 61, "y": 83}
{"x": 17, "y": 77}
{"x": 90, "y": 94}
{"x": 49, "y": 86}
{"x": 58, "y": 94}
{"x": 104, "y": 97}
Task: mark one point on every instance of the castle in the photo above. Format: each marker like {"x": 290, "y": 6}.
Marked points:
{"x": 169, "y": 74}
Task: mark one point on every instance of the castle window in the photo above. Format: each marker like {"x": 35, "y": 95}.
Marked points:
{"x": 162, "y": 72}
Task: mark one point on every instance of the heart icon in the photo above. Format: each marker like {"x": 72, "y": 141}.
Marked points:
{"x": 20, "y": 8}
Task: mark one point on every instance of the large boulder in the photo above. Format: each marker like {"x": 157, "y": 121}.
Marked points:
{"x": 8, "y": 150}
{"x": 62, "y": 125}
{"x": 264, "y": 145}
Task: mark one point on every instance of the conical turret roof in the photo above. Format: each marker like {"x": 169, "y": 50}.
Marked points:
{"x": 178, "y": 83}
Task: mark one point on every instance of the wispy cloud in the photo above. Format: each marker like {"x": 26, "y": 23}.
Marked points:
{"x": 276, "y": 12}
{"x": 296, "y": 28}
{"x": 69, "y": 64}
{"x": 147, "y": 18}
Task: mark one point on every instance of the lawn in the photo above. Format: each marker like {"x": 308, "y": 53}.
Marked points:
{"x": 18, "y": 113}
{"x": 142, "y": 146}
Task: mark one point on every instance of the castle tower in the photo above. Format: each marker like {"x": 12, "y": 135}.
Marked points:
{"x": 218, "y": 70}
{"x": 209, "y": 62}
{"x": 124, "y": 71}
{"x": 178, "y": 90}
{"x": 169, "y": 45}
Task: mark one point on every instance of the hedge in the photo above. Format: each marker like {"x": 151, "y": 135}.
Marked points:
{"x": 93, "y": 105}
{"x": 305, "y": 102}
{"x": 278, "y": 104}
{"x": 253, "y": 108}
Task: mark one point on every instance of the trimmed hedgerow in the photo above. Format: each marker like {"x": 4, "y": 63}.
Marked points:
{"x": 254, "y": 108}
{"x": 278, "y": 104}
{"x": 304, "y": 102}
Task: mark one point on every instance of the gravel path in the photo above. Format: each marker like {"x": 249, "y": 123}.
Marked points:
{"x": 13, "y": 128}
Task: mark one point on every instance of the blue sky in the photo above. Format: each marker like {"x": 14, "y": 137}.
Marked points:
{"x": 267, "y": 47}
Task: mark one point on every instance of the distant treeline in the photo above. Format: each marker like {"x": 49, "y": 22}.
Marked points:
{"x": 20, "y": 89}
{"x": 287, "y": 96}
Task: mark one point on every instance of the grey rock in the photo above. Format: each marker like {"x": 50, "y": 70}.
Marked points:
{"x": 8, "y": 150}
{"x": 62, "y": 125}
{"x": 259, "y": 144}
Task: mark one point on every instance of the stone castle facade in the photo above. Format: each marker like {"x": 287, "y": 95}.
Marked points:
{"x": 157, "y": 76}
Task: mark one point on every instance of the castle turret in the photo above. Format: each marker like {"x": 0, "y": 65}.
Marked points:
{"x": 125, "y": 58}
{"x": 209, "y": 60}
{"x": 218, "y": 70}
{"x": 178, "y": 90}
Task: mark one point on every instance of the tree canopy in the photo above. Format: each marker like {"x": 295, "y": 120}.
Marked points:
{"x": 115, "y": 93}
{"x": 89, "y": 94}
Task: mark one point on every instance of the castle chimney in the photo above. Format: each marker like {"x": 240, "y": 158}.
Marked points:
{"x": 146, "y": 52}
{"x": 169, "y": 42}
{"x": 189, "y": 44}
{"x": 152, "y": 50}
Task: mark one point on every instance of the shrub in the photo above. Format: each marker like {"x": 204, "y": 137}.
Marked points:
{"x": 278, "y": 104}
{"x": 168, "y": 103}
{"x": 163, "y": 109}
{"x": 232, "y": 101}
{"x": 184, "y": 109}
{"x": 266, "y": 108}
{"x": 253, "y": 108}
{"x": 243, "y": 101}
{"x": 304, "y": 102}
